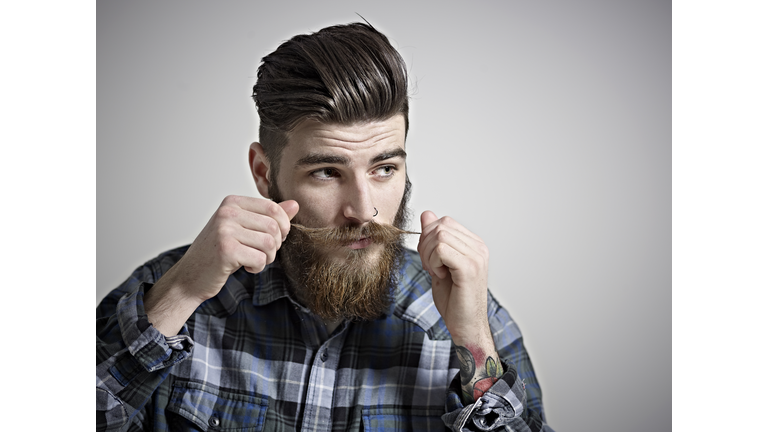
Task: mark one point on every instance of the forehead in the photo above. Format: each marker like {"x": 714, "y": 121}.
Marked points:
{"x": 363, "y": 137}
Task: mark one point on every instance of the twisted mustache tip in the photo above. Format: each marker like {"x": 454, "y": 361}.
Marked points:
{"x": 312, "y": 230}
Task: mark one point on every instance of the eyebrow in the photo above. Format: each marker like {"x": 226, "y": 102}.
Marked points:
{"x": 389, "y": 154}
{"x": 322, "y": 159}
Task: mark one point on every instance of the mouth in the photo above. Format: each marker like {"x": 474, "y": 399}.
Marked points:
{"x": 360, "y": 243}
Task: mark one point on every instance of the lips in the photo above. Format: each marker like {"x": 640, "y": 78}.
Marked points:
{"x": 361, "y": 243}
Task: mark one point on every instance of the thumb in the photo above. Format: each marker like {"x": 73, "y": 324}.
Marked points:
{"x": 291, "y": 207}
{"x": 427, "y": 218}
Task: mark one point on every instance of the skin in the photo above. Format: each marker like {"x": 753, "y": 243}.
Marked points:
{"x": 338, "y": 174}
{"x": 457, "y": 260}
{"x": 334, "y": 175}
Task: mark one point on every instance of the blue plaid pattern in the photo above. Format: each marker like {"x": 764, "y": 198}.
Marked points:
{"x": 252, "y": 359}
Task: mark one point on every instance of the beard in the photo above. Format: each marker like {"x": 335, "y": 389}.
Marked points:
{"x": 359, "y": 286}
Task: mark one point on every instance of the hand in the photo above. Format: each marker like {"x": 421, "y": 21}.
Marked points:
{"x": 458, "y": 262}
{"x": 243, "y": 232}
{"x": 457, "y": 259}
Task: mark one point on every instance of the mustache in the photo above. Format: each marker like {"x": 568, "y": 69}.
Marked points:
{"x": 342, "y": 236}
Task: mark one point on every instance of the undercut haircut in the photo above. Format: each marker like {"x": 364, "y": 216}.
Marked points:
{"x": 343, "y": 74}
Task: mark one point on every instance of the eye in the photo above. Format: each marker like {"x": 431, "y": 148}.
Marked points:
{"x": 385, "y": 171}
{"x": 324, "y": 173}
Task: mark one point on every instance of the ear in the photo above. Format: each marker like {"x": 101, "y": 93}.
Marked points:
{"x": 259, "y": 168}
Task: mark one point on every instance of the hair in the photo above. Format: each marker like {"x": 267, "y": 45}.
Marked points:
{"x": 342, "y": 74}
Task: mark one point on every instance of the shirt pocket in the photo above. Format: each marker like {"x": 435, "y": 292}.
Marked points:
{"x": 203, "y": 407}
{"x": 402, "y": 419}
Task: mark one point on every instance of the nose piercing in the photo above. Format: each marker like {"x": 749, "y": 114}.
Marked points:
{"x": 377, "y": 212}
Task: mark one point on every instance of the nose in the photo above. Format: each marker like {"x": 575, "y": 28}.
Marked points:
{"x": 358, "y": 205}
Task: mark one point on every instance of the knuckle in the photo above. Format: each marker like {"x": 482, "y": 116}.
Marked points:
{"x": 272, "y": 210}
{"x": 224, "y": 231}
{"x": 474, "y": 266}
{"x": 270, "y": 243}
{"x": 272, "y": 227}
{"x": 260, "y": 260}
{"x": 226, "y": 212}
{"x": 221, "y": 235}
{"x": 226, "y": 247}
{"x": 270, "y": 258}
{"x": 229, "y": 200}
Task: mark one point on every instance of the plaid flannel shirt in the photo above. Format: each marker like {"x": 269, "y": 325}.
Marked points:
{"x": 252, "y": 359}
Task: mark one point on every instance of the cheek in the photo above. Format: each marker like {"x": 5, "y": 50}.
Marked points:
{"x": 316, "y": 210}
{"x": 391, "y": 201}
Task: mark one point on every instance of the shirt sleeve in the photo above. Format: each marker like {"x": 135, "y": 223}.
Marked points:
{"x": 513, "y": 403}
{"x": 132, "y": 357}
{"x": 502, "y": 408}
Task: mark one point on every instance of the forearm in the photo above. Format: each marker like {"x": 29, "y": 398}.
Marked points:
{"x": 480, "y": 367}
{"x": 514, "y": 399}
{"x": 168, "y": 305}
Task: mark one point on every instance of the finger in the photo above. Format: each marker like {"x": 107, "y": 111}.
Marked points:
{"x": 231, "y": 219}
{"x": 235, "y": 254}
{"x": 430, "y": 223}
{"x": 451, "y": 223}
{"x": 451, "y": 238}
{"x": 282, "y": 212}
{"x": 259, "y": 241}
{"x": 445, "y": 258}
{"x": 263, "y": 207}
{"x": 458, "y": 238}
{"x": 427, "y": 220}
{"x": 446, "y": 241}
{"x": 291, "y": 209}
{"x": 435, "y": 230}
{"x": 253, "y": 260}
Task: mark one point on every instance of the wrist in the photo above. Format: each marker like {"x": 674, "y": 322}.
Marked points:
{"x": 479, "y": 336}
{"x": 168, "y": 305}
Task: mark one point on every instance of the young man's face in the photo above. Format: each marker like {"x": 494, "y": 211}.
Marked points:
{"x": 344, "y": 175}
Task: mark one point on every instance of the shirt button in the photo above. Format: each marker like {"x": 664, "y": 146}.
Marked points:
{"x": 214, "y": 421}
{"x": 324, "y": 356}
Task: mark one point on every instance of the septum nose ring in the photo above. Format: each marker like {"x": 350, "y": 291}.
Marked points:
{"x": 377, "y": 212}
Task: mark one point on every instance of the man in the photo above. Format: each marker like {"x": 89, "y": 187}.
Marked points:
{"x": 305, "y": 311}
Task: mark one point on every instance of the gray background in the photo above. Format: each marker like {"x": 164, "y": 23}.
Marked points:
{"x": 544, "y": 127}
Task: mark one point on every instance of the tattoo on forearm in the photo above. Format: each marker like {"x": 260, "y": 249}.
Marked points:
{"x": 477, "y": 375}
{"x": 467, "y": 365}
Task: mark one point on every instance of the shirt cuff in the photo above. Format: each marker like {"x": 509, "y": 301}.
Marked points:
{"x": 150, "y": 350}
{"x": 498, "y": 406}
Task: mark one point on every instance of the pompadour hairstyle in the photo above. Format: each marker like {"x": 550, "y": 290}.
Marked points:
{"x": 342, "y": 74}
